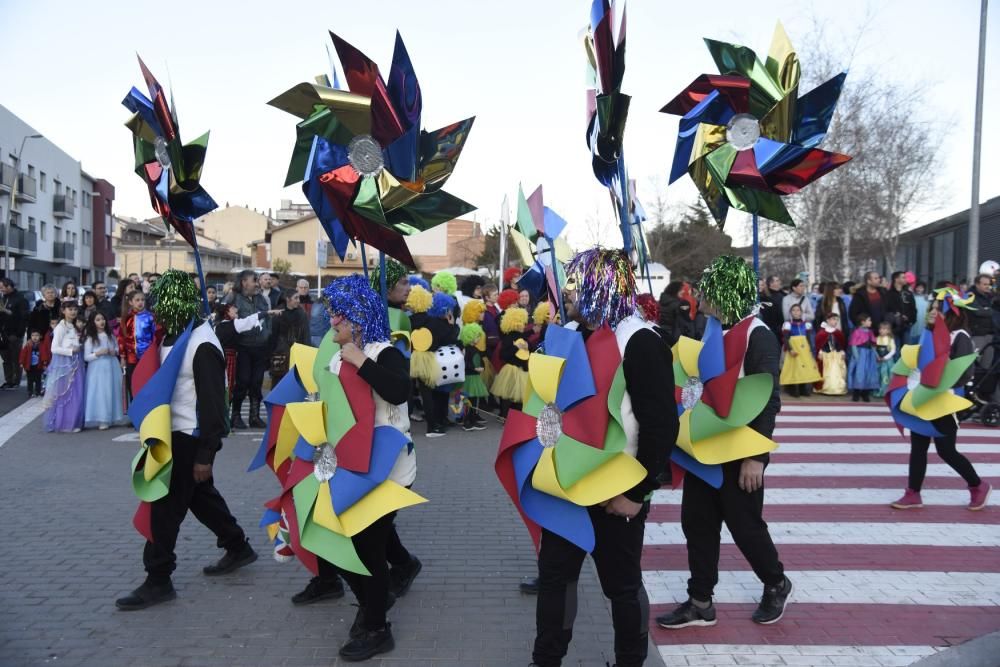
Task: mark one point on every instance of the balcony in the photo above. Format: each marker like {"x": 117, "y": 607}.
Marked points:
{"x": 63, "y": 251}
{"x": 22, "y": 241}
{"x": 27, "y": 188}
{"x": 63, "y": 206}
{"x": 6, "y": 177}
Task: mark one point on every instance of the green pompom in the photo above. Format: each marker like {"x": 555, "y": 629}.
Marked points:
{"x": 729, "y": 284}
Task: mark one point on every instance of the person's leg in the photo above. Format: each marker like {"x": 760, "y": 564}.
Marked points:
{"x": 945, "y": 447}
{"x": 559, "y": 563}
{"x": 244, "y": 375}
{"x": 372, "y": 591}
{"x": 616, "y": 555}
{"x": 919, "y": 444}
{"x": 395, "y": 553}
{"x": 701, "y": 521}
{"x": 129, "y": 371}
{"x": 427, "y": 401}
{"x": 743, "y": 514}
{"x": 210, "y": 508}
{"x": 166, "y": 516}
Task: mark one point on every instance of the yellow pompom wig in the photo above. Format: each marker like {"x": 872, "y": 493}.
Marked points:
{"x": 473, "y": 311}
{"x": 419, "y": 300}
{"x": 542, "y": 314}
{"x": 514, "y": 320}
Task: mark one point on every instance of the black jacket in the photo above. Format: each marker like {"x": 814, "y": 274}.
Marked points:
{"x": 981, "y": 319}
{"x": 900, "y": 309}
{"x": 16, "y": 321}
{"x": 763, "y": 356}
{"x": 861, "y": 303}
{"x": 291, "y": 327}
{"x": 41, "y": 315}
{"x": 770, "y": 312}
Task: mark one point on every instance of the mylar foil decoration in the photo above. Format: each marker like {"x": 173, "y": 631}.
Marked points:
{"x": 368, "y": 170}
{"x": 538, "y": 231}
{"x": 746, "y": 137}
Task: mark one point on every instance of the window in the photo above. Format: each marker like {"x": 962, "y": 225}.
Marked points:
{"x": 86, "y": 200}
{"x": 296, "y": 247}
{"x": 31, "y": 171}
{"x": 42, "y": 181}
{"x": 31, "y": 224}
{"x": 42, "y": 230}
{"x": 86, "y": 238}
{"x": 58, "y": 187}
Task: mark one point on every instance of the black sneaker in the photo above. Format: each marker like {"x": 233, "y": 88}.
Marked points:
{"x": 147, "y": 595}
{"x": 318, "y": 590}
{"x": 358, "y": 626}
{"x": 236, "y": 422}
{"x": 529, "y": 586}
{"x": 687, "y": 615}
{"x": 369, "y": 644}
{"x": 435, "y": 432}
{"x": 473, "y": 426}
{"x": 772, "y": 604}
{"x": 401, "y": 578}
{"x": 231, "y": 561}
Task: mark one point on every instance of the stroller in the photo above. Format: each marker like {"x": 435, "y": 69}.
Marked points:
{"x": 982, "y": 390}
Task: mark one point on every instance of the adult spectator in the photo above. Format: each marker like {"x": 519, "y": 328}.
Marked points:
{"x": 797, "y": 297}
{"x": 213, "y": 298}
{"x": 104, "y": 305}
{"x": 13, "y": 322}
{"x": 251, "y": 350}
{"x": 771, "y": 301}
{"x": 269, "y": 290}
{"x": 670, "y": 311}
{"x": 291, "y": 327}
{"x": 305, "y": 298}
{"x": 136, "y": 279}
{"x": 869, "y": 299}
{"x": 833, "y": 302}
{"x": 900, "y": 308}
{"x": 69, "y": 291}
{"x": 982, "y": 320}
{"x": 88, "y": 305}
{"x": 45, "y": 311}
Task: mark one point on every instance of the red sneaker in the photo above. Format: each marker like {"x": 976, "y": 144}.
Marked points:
{"x": 910, "y": 500}
{"x": 978, "y": 495}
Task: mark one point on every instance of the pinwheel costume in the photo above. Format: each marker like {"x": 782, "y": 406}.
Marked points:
{"x": 368, "y": 170}
{"x": 745, "y": 136}
{"x": 581, "y": 458}
{"x": 179, "y": 410}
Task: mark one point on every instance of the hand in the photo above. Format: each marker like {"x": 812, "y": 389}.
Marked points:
{"x": 793, "y": 353}
{"x": 622, "y": 506}
{"x": 751, "y": 475}
{"x": 478, "y": 370}
{"x": 202, "y": 472}
{"x": 274, "y": 312}
{"x": 352, "y": 354}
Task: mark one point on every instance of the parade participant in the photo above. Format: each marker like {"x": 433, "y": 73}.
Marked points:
{"x": 193, "y": 386}
{"x": 433, "y": 328}
{"x": 948, "y": 338}
{"x": 510, "y": 382}
{"x": 602, "y": 297}
{"x": 471, "y": 289}
{"x": 135, "y": 335}
{"x": 830, "y": 356}
{"x": 104, "y": 375}
{"x": 728, "y": 289}
{"x": 799, "y": 370}
{"x": 397, "y": 287}
{"x": 64, "y": 391}
{"x": 473, "y": 339}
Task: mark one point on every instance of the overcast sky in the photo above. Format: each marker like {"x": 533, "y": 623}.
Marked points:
{"x": 518, "y": 66}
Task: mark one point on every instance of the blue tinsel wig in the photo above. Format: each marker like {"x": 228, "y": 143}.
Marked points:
{"x": 417, "y": 280}
{"x": 354, "y": 299}
{"x": 442, "y": 304}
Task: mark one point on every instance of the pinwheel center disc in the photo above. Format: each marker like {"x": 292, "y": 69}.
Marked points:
{"x": 549, "y": 425}
{"x": 742, "y": 131}
{"x": 324, "y": 463}
{"x": 913, "y": 380}
{"x": 691, "y": 392}
{"x": 365, "y": 155}
{"x": 162, "y": 152}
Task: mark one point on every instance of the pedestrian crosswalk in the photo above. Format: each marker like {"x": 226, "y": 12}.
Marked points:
{"x": 873, "y": 585}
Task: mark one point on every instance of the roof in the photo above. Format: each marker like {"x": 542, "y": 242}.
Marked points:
{"x": 988, "y": 208}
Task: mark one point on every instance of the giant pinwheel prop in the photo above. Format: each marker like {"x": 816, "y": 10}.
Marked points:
{"x": 538, "y": 239}
{"x": 921, "y": 388}
{"x": 369, "y": 171}
{"x": 170, "y": 169}
{"x": 715, "y": 401}
{"x": 333, "y": 462}
{"x": 565, "y": 450}
{"x": 746, "y": 137}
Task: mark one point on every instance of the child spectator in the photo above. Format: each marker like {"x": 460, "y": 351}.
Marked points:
{"x": 103, "y": 407}
{"x": 135, "y": 335}
{"x": 799, "y": 370}
{"x": 885, "y": 352}
{"x": 66, "y": 374}
{"x": 862, "y": 371}
{"x": 31, "y": 362}
{"x": 831, "y": 346}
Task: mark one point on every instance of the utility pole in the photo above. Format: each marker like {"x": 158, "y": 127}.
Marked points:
{"x": 13, "y": 199}
{"x": 972, "y": 265}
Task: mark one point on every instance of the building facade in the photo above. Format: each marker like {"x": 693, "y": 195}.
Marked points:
{"x": 144, "y": 246}
{"x": 233, "y": 227}
{"x": 60, "y": 221}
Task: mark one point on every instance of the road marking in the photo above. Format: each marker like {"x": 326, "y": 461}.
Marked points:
{"x": 947, "y": 589}
{"x": 833, "y": 432}
{"x": 987, "y": 470}
{"x": 20, "y": 417}
{"x": 808, "y": 532}
{"x": 900, "y": 447}
{"x": 718, "y": 655}
{"x": 864, "y": 496}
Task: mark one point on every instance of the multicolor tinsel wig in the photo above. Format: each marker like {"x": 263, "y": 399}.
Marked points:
{"x": 514, "y": 320}
{"x": 473, "y": 311}
{"x": 470, "y": 333}
{"x": 649, "y": 307}
{"x": 176, "y": 300}
{"x": 729, "y": 284}
{"x": 605, "y": 286}
{"x": 441, "y": 304}
{"x": 419, "y": 300}
{"x": 394, "y": 272}
{"x": 352, "y": 298}
{"x": 507, "y": 298}
{"x": 444, "y": 281}
{"x": 418, "y": 281}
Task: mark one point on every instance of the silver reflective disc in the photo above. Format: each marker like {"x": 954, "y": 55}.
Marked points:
{"x": 365, "y": 155}
{"x": 691, "y": 392}
{"x": 549, "y": 425}
{"x": 742, "y": 131}
{"x": 325, "y": 462}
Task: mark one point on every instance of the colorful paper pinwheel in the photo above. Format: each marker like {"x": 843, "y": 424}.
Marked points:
{"x": 745, "y": 136}
{"x": 335, "y": 475}
{"x": 716, "y": 401}
{"x": 538, "y": 231}
{"x": 371, "y": 174}
{"x": 921, "y": 388}
{"x": 565, "y": 451}
{"x": 171, "y": 170}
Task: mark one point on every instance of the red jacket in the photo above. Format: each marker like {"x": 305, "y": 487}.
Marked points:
{"x": 45, "y": 349}
{"x": 25, "y": 356}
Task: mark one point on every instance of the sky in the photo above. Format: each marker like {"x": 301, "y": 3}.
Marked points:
{"x": 518, "y": 66}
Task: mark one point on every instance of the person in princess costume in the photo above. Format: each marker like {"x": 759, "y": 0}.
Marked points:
{"x": 831, "y": 346}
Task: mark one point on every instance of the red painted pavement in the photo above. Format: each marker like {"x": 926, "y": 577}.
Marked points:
{"x": 951, "y": 480}
{"x": 903, "y": 457}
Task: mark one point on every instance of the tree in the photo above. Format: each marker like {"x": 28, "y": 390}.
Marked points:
{"x": 490, "y": 256}
{"x": 689, "y": 245}
{"x": 281, "y": 266}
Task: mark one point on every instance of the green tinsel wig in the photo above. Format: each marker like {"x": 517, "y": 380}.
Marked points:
{"x": 176, "y": 300}
{"x": 394, "y": 272}
{"x": 729, "y": 284}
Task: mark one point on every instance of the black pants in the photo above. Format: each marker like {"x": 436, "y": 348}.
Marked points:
{"x": 435, "y": 407}
{"x": 703, "y": 509}
{"x": 167, "y": 513}
{"x": 11, "y": 363}
{"x": 395, "y": 554}
{"x": 251, "y": 362}
{"x": 129, "y": 371}
{"x": 616, "y": 555}
{"x": 945, "y": 446}
{"x": 35, "y": 381}
{"x": 372, "y": 592}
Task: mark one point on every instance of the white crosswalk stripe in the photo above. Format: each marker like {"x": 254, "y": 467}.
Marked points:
{"x": 930, "y": 497}
{"x": 869, "y": 470}
{"x": 875, "y": 448}
{"x": 826, "y": 430}
{"x": 791, "y": 654}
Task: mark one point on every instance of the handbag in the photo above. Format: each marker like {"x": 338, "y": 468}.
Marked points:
{"x": 450, "y": 362}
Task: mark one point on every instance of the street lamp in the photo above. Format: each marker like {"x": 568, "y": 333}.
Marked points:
{"x": 13, "y": 199}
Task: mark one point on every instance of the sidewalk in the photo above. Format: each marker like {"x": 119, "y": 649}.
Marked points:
{"x": 73, "y": 551}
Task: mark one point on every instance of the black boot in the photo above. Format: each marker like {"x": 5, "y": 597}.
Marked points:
{"x": 529, "y": 586}
{"x": 255, "y": 420}
{"x": 318, "y": 590}
{"x": 400, "y": 578}
{"x": 147, "y": 595}
{"x": 235, "y": 420}
{"x": 368, "y": 644}
{"x": 358, "y": 627}
{"x": 232, "y": 560}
